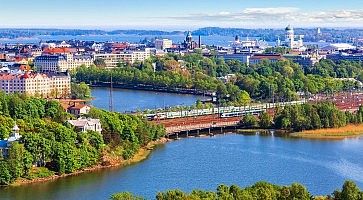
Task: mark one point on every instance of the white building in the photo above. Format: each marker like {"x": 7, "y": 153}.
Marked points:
{"x": 61, "y": 63}
{"x": 290, "y": 39}
{"x": 6, "y": 143}
{"x": 36, "y": 84}
{"x": 128, "y": 57}
{"x": 338, "y": 47}
{"x": 86, "y": 124}
{"x": 162, "y": 44}
{"x": 78, "y": 110}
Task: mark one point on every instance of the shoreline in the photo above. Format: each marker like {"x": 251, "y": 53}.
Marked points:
{"x": 341, "y": 133}
{"x": 141, "y": 155}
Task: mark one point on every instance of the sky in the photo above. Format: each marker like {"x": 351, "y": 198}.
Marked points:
{"x": 179, "y": 15}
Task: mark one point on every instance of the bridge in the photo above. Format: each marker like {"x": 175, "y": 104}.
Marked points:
{"x": 192, "y": 122}
{"x": 193, "y": 126}
{"x": 226, "y": 111}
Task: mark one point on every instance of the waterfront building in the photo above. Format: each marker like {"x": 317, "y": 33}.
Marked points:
{"x": 86, "y": 124}
{"x": 250, "y": 45}
{"x": 129, "y": 57}
{"x": 162, "y": 44}
{"x": 61, "y": 63}
{"x": 338, "y": 47}
{"x": 6, "y": 143}
{"x": 53, "y": 85}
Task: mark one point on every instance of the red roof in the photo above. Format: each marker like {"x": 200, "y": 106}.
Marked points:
{"x": 58, "y": 50}
{"x": 25, "y": 76}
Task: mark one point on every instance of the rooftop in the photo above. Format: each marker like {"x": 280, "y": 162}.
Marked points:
{"x": 81, "y": 122}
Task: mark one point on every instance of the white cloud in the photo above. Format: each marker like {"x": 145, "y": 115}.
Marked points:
{"x": 274, "y": 16}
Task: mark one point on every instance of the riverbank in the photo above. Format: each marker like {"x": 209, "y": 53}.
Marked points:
{"x": 349, "y": 131}
{"x": 152, "y": 88}
{"x": 141, "y": 155}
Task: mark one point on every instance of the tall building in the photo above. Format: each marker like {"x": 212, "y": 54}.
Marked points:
{"x": 162, "y": 44}
{"x": 54, "y": 85}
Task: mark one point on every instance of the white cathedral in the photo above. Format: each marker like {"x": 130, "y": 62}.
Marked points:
{"x": 291, "y": 42}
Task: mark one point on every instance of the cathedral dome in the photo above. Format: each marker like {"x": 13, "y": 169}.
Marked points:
{"x": 289, "y": 28}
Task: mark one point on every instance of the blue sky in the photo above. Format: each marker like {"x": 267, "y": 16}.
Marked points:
{"x": 180, "y": 15}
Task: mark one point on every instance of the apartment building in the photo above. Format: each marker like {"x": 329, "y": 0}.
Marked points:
{"x": 162, "y": 44}
{"x": 36, "y": 84}
{"x": 129, "y": 57}
{"x": 61, "y": 63}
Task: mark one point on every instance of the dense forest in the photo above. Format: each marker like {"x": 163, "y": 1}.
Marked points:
{"x": 283, "y": 80}
{"x": 308, "y": 116}
{"x": 50, "y": 146}
{"x": 258, "y": 191}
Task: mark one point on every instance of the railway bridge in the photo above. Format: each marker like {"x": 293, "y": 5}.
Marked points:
{"x": 194, "y": 126}
{"x": 192, "y": 122}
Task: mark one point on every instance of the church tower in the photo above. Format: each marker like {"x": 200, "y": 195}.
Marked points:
{"x": 289, "y": 36}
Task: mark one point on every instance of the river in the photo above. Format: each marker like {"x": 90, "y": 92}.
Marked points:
{"x": 206, "y": 162}
{"x": 125, "y": 100}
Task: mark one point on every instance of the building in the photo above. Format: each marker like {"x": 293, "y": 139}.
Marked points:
{"x": 6, "y": 143}
{"x": 257, "y": 58}
{"x": 54, "y": 85}
{"x": 162, "y": 44}
{"x": 338, "y": 47}
{"x": 290, "y": 39}
{"x": 189, "y": 43}
{"x": 345, "y": 56}
{"x": 244, "y": 58}
{"x": 61, "y": 63}
{"x": 227, "y": 78}
{"x": 305, "y": 60}
{"x": 86, "y": 124}
{"x": 79, "y": 109}
{"x": 128, "y": 57}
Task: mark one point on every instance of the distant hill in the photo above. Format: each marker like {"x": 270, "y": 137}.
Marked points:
{"x": 328, "y": 34}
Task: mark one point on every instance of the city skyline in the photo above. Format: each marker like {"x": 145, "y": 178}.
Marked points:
{"x": 181, "y": 15}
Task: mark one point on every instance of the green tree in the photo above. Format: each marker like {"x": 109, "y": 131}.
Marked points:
{"x": 350, "y": 191}
{"x": 80, "y": 91}
{"x": 15, "y": 160}
{"x": 249, "y": 121}
{"x": 124, "y": 196}
{"x": 5, "y": 175}
{"x": 265, "y": 120}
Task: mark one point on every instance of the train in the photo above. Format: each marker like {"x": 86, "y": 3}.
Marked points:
{"x": 224, "y": 112}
